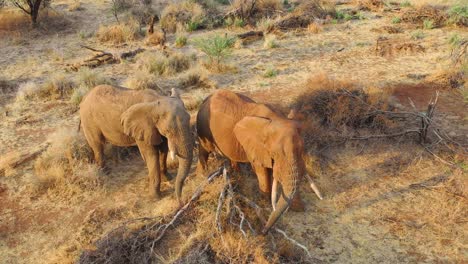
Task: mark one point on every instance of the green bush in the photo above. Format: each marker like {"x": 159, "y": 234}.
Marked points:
{"x": 216, "y": 47}
{"x": 396, "y": 20}
{"x": 270, "y": 72}
{"x": 428, "y": 24}
{"x": 458, "y": 15}
{"x": 181, "y": 41}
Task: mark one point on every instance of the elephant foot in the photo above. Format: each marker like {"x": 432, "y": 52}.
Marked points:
{"x": 297, "y": 205}
{"x": 155, "y": 195}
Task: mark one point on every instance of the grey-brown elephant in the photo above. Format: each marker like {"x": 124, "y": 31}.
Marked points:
{"x": 156, "y": 124}
{"x": 242, "y": 130}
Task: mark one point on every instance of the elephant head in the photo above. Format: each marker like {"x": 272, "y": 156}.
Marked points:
{"x": 166, "y": 117}
{"x": 277, "y": 144}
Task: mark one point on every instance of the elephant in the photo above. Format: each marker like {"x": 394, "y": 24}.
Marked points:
{"x": 156, "y": 124}
{"x": 242, "y": 130}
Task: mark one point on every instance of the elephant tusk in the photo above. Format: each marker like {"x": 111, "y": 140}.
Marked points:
{"x": 172, "y": 155}
{"x": 314, "y": 187}
{"x": 274, "y": 194}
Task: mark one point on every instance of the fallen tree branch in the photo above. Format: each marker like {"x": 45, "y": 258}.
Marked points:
{"x": 103, "y": 57}
{"x": 14, "y": 160}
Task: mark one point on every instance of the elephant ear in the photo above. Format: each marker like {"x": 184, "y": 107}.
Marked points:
{"x": 252, "y": 132}
{"x": 139, "y": 123}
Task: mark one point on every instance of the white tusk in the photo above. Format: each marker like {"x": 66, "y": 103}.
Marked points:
{"x": 274, "y": 194}
{"x": 172, "y": 155}
{"x": 314, "y": 187}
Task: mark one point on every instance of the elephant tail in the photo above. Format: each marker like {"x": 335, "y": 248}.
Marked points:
{"x": 79, "y": 125}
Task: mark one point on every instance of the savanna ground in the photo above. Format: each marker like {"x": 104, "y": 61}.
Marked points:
{"x": 386, "y": 200}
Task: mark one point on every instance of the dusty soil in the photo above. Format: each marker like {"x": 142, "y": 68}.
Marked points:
{"x": 385, "y": 201}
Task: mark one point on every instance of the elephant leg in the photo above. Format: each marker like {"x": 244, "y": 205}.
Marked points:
{"x": 151, "y": 156}
{"x": 203, "y": 154}
{"x": 264, "y": 178}
{"x": 96, "y": 142}
{"x": 297, "y": 205}
{"x": 163, "y": 150}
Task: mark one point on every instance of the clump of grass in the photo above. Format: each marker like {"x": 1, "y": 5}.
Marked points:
{"x": 418, "y": 34}
{"x": 58, "y": 86}
{"x": 265, "y": 24}
{"x": 455, "y": 40}
{"x": 141, "y": 81}
{"x": 217, "y": 48}
{"x": 428, "y": 24}
{"x": 157, "y": 63}
{"x": 396, "y": 20}
{"x": 193, "y": 78}
{"x": 405, "y": 4}
{"x": 257, "y": 9}
{"x": 181, "y": 41}
{"x": 458, "y": 15}
{"x": 120, "y": 33}
{"x": 270, "y": 72}
{"x": 28, "y": 91}
{"x": 186, "y": 14}
{"x": 65, "y": 166}
{"x": 86, "y": 80}
{"x": 314, "y": 28}
{"x": 270, "y": 42}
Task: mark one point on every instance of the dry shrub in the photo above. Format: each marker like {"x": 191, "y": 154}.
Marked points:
{"x": 179, "y": 15}
{"x": 449, "y": 78}
{"x": 233, "y": 248}
{"x": 424, "y": 13}
{"x": 307, "y": 12}
{"x": 194, "y": 78}
{"x": 370, "y": 5}
{"x": 392, "y": 46}
{"x": 142, "y": 80}
{"x": 86, "y": 80}
{"x": 58, "y": 86}
{"x": 120, "y": 33}
{"x": 65, "y": 166}
{"x": 5, "y": 86}
{"x": 75, "y": 6}
{"x": 329, "y": 104}
{"x": 160, "y": 64}
{"x": 29, "y": 91}
{"x": 253, "y": 9}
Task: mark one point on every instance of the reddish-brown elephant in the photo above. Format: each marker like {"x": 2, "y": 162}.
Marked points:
{"x": 242, "y": 130}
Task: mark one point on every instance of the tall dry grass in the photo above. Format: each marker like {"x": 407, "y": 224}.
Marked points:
{"x": 120, "y": 33}
{"x": 65, "y": 169}
{"x": 182, "y": 16}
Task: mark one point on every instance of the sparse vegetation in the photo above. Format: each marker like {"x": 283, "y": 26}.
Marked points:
{"x": 405, "y": 3}
{"x": 418, "y": 34}
{"x": 216, "y": 47}
{"x": 65, "y": 169}
{"x": 120, "y": 33}
{"x": 458, "y": 15}
{"x": 396, "y": 20}
{"x": 157, "y": 63}
{"x": 270, "y": 42}
{"x": 428, "y": 24}
{"x": 270, "y": 72}
{"x": 181, "y": 41}
{"x": 142, "y": 80}
{"x": 186, "y": 14}
{"x": 31, "y": 7}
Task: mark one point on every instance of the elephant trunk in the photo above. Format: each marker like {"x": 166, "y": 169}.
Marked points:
{"x": 289, "y": 185}
{"x": 184, "y": 153}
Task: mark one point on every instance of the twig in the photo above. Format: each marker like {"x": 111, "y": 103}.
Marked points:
{"x": 292, "y": 240}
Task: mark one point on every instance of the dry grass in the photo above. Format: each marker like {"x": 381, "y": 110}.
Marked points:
{"x": 249, "y": 9}
{"x": 65, "y": 169}
{"x": 85, "y": 80}
{"x": 13, "y": 20}
{"x": 120, "y": 33}
{"x": 370, "y": 5}
{"x": 194, "y": 78}
{"x": 307, "y": 12}
{"x": 314, "y": 28}
{"x": 29, "y": 91}
{"x": 142, "y": 80}
{"x": 75, "y": 6}
{"x": 160, "y": 64}
{"x": 181, "y": 15}
{"x": 424, "y": 13}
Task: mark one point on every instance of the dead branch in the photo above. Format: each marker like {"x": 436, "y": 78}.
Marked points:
{"x": 103, "y": 57}
{"x": 250, "y": 34}
{"x": 292, "y": 240}
{"x": 14, "y": 160}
